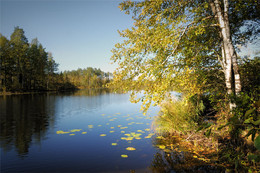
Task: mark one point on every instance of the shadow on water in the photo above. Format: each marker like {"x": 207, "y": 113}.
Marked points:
{"x": 175, "y": 157}
{"x": 25, "y": 119}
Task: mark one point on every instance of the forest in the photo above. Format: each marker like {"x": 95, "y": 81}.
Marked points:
{"x": 27, "y": 67}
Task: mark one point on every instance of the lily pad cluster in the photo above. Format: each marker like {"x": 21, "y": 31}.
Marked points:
{"x": 127, "y": 134}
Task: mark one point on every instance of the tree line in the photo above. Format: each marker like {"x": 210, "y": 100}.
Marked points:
{"x": 28, "y": 66}
{"x": 88, "y": 77}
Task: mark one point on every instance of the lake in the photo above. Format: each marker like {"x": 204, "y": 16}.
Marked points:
{"x": 82, "y": 131}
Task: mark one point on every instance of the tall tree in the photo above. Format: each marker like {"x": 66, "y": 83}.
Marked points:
{"x": 6, "y": 63}
{"x": 19, "y": 46}
{"x": 178, "y": 44}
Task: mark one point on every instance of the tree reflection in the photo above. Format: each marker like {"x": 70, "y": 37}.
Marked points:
{"x": 25, "y": 119}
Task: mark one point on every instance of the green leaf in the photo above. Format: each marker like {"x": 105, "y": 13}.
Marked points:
{"x": 254, "y": 157}
{"x": 208, "y": 132}
{"x": 249, "y": 112}
{"x": 257, "y": 142}
{"x": 256, "y": 122}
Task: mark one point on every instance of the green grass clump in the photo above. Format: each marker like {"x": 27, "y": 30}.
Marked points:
{"x": 178, "y": 116}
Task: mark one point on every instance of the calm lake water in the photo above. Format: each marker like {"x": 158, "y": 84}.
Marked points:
{"x": 84, "y": 131}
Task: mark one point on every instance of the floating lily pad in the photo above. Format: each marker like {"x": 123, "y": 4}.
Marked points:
{"x": 90, "y": 126}
{"x": 111, "y": 131}
{"x": 123, "y": 127}
{"x": 112, "y": 127}
{"x": 114, "y": 144}
{"x": 130, "y": 148}
{"x": 124, "y": 156}
{"x": 147, "y": 129}
{"x": 139, "y": 123}
{"x": 140, "y": 131}
{"x": 76, "y": 130}
{"x": 84, "y": 132}
{"x": 72, "y": 134}
{"x": 61, "y": 132}
{"x": 122, "y": 131}
{"x": 103, "y": 135}
{"x": 99, "y": 125}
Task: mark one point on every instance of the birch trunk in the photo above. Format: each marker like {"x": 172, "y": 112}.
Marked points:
{"x": 232, "y": 77}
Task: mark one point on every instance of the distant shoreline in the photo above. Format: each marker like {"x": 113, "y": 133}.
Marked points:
{"x": 41, "y": 91}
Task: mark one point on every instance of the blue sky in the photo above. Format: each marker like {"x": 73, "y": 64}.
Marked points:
{"x": 79, "y": 33}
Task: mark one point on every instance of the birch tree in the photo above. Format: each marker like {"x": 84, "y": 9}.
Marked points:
{"x": 178, "y": 44}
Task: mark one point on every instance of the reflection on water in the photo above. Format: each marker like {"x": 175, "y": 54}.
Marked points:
{"x": 82, "y": 131}
{"x": 32, "y": 138}
{"x": 25, "y": 118}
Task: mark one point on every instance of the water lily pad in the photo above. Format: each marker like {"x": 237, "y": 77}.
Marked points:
{"x": 123, "y": 127}
{"x": 119, "y": 125}
{"x": 112, "y": 127}
{"x": 61, "y": 132}
{"x": 114, "y": 144}
{"x": 111, "y": 131}
{"x": 122, "y": 131}
{"x": 130, "y": 148}
{"x": 75, "y": 130}
{"x": 72, "y": 134}
{"x": 147, "y": 129}
{"x": 84, "y": 132}
{"x": 140, "y": 131}
{"x": 139, "y": 123}
{"x": 124, "y": 156}
{"x": 103, "y": 135}
{"x": 90, "y": 126}
{"x": 99, "y": 125}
